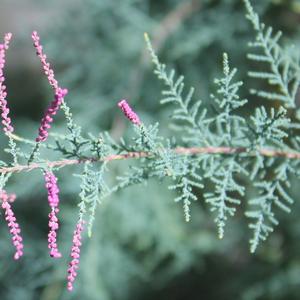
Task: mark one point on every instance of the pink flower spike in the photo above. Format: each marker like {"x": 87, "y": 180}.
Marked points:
{"x": 12, "y": 224}
{"x": 6, "y": 121}
{"x": 53, "y": 200}
{"x": 129, "y": 113}
{"x": 58, "y": 91}
{"x": 7, "y": 38}
{"x": 75, "y": 254}
{"x": 51, "y": 111}
{"x": 43, "y": 58}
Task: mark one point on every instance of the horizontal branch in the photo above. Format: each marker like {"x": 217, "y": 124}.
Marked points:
{"x": 180, "y": 151}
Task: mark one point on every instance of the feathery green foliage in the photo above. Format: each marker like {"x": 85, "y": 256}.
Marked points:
{"x": 229, "y": 129}
{"x": 282, "y": 72}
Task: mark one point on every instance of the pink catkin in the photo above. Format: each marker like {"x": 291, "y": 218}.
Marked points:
{"x": 43, "y": 58}
{"x": 59, "y": 93}
{"x": 129, "y": 113}
{"x": 51, "y": 111}
{"x": 12, "y": 224}
{"x": 75, "y": 254}
{"x": 6, "y": 121}
{"x": 53, "y": 200}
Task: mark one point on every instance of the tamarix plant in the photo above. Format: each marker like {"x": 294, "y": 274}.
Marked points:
{"x": 219, "y": 150}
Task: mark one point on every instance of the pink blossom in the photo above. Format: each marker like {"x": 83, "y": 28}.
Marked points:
{"x": 6, "y": 121}
{"x": 129, "y": 113}
{"x": 51, "y": 111}
{"x": 43, "y": 58}
{"x": 75, "y": 254}
{"x": 59, "y": 93}
{"x": 53, "y": 200}
{"x": 12, "y": 223}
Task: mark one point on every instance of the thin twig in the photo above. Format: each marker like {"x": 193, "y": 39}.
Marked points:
{"x": 129, "y": 155}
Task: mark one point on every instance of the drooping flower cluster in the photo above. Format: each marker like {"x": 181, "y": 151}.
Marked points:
{"x": 75, "y": 254}
{"x": 6, "y": 121}
{"x": 59, "y": 93}
{"x": 53, "y": 200}
{"x": 12, "y": 224}
{"x": 129, "y": 113}
{"x": 50, "y": 179}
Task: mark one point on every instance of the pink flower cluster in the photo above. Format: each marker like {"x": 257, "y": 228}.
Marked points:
{"x": 53, "y": 199}
{"x": 59, "y": 92}
{"x": 129, "y": 113}
{"x": 12, "y": 223}
{"x": 51, "y": 111}
{"x": 6, "y": 121}
{"x": 43, "y": 58}
{"x": 75, "y": 254}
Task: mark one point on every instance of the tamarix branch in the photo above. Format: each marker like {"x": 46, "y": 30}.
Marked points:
{"x": 215, "y": 155}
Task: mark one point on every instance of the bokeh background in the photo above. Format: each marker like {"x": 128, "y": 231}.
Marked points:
{"x": 141, "y": 247}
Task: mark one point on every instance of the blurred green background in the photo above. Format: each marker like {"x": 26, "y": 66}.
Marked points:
{"x": 141, "y": 247}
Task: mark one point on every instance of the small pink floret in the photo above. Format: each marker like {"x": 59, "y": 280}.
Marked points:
{"x": 51, "y": 111}
{"x": 43, "y": 58}
{"x": 12, "y": 224}
{"x": 75, "y": 254}
{"x": 6, "y": 121}
{"x": 53, "y": 200}
{"x": 129, "y": 113}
